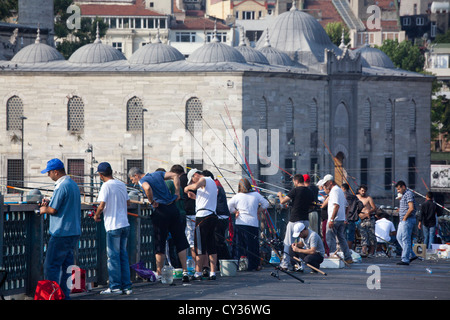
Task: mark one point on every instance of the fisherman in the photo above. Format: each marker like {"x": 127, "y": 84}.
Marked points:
{"x": 205, "y": 220}
{"x": 302, "y": 200}
{"x": 64, "y": 210}
{"x": 337, "y": 206}
{"x": 367, "y": 225}
{"x": 407, "y": 216}
{"x": 114, "y": 202}
{"x": 310, "y": 248}
{"x": 165, "y": 217}
{"x": 247, "y": 205}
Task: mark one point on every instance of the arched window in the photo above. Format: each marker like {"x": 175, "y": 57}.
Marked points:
{"x": 194, "y": 114}
{"x": 75, "y": 114}
{"x": 14, "y": 113}
{"x": 134, "y": 114}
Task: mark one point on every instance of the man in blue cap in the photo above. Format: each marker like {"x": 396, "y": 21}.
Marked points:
{"x": 114, "y": 201}
{"x": 64, "y": 210}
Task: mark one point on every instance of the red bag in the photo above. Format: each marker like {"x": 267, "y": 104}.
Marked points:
{"x": 48, "y": 290}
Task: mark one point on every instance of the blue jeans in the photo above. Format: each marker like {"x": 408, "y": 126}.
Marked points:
{"x": 58, "y": 258}
{"x": 118, "y": 266}
{"x": 338, "y": 232}
{"x": 404, "y": 235}
{"x": 428, "y": 235}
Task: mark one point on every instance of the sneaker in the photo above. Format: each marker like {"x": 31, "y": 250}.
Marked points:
{"x": 127, "y": 291}
{"x": 413, "y": 258}
{"x": 213, "y": 277}
{"x": 197, "y": 277}
{"x": 401, "y": 263}
{"x": 111, "y": 291}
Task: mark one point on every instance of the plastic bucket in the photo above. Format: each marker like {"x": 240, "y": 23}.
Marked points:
{"x": 228, "y": 268}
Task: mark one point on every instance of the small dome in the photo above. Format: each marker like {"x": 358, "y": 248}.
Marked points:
{"x": 275, "y": 56}
{"x": 373, "y": 57}
{"x": 37, "y": 53}
{"x": 156, "y": 52}
{"x": 96, "y": 52}
{"x": 214, "y": 52}
{"x": 250, "y": 54}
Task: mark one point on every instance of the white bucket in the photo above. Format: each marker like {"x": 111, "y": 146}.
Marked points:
{"x": 228, "y": 268}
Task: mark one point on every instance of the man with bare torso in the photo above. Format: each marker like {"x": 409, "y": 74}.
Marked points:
{"x": 367, "y": 225}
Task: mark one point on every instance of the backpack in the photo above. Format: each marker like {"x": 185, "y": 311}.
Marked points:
{"x": 48, "y": 290}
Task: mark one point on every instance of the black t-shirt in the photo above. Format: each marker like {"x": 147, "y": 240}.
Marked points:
{"x": 428, "y": 213}
{"x": 302, "y": 199}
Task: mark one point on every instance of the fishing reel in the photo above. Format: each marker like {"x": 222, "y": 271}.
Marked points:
{"x": 277, "y": 244}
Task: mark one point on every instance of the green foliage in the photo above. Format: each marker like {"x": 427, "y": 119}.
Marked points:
{"x": 85, "y": 35}
{"x": 6, "y": 6}
{"x": 404, "y": 55}
{"x": 334, "y": 31}
{"x": 443, "y": 38}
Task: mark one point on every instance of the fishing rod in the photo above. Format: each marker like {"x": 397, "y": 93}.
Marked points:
{"x": 248, "y": 167}
{"x": 265, "y": 260}
{"x": 203, "y": 149}
{"x": 229, "y": 116}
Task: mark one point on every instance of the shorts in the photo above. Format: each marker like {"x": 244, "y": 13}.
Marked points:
{"x": 165, "y": 219}
{"x": 204, "y": 239}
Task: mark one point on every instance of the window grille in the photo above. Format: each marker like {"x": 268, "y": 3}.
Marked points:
{"x": 75, "y": 114}
{"x": 194, "y": 115}
{"x": 134, "y": 114}
{"x": 14, "y": 174}
{"x": 75, "y": 168}
{"x": 14, "y": 113}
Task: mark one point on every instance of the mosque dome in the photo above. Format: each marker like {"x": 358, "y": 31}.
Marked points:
{"x": 275, "y": 56}
{"x": 250, "y": 54}
{"x": 156, "y": 52}
{"x": 37, "y": 53}
{"x": 96, "y": 52}
{"x": 298, "y": 32}
{"x": 373, "y": 57}
{"x": 214, "y": 52}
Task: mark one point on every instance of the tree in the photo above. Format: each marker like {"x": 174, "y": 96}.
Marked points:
{"x": 334, "y": 31}
{"x": 404, "y": 55}
{"x": 86, "y": 34}
{"x": 7, "y": 7}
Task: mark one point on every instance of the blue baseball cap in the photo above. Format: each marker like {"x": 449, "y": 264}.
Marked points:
{"x": 53, "y": 164}
{"x": 104, "y": 167}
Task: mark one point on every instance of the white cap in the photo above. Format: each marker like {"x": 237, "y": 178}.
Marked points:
{"x": 191, "y": 174}
{"x": 298, "y": 228}
{"x": 325, "y": 179}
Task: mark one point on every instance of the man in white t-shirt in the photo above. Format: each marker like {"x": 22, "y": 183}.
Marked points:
{"x": 114, "y": 201}
{"x": 337, "y": 206}
{"x": 384, "y": 229}
{"x": 205, "y": 220}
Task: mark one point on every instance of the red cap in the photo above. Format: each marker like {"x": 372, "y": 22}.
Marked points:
{"x": 306, "y": 178}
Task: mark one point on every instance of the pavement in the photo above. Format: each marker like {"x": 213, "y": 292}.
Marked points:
{"x": 378, "y": 278}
